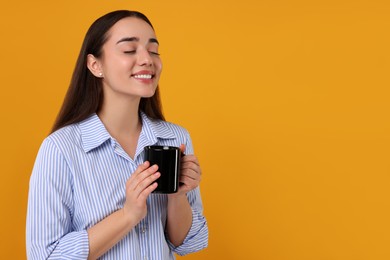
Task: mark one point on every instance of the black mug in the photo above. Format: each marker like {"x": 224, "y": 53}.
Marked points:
{"x": 168, "y": 160}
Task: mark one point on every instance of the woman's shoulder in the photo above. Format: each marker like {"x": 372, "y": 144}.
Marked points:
{"x": 174, "y": 126}
{"x": 65, "y": 135}
{"x": 164, "y": 126}
{"x": 180, "y": 135}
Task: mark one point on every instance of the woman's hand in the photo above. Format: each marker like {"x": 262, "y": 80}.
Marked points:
{"x": 105, "y": 234}
{"x": 190, "y": 173}
{"x": 138, "y": 188}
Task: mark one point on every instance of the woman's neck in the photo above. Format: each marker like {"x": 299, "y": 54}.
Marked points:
{"x": 121, "y": 118}
{"x": 122, "y": 121}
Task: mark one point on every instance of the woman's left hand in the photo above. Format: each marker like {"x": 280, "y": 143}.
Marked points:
{"x": 190, "y": 173}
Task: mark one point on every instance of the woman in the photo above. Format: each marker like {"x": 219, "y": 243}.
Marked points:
{"x": 90, "y": 191}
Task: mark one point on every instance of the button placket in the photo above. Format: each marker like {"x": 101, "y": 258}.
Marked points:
{"x": 143, "y": 230}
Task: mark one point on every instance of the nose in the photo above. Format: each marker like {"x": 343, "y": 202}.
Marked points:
{"x": 144, "y": 58}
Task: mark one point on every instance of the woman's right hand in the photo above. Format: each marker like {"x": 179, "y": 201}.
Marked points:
{"x": 138, "y": 188}
{"x": 114, "y": 227}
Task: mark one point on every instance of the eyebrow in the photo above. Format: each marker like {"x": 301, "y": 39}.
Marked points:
{"x": 136, "y": 39}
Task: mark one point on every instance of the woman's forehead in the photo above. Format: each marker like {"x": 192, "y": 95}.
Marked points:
{"x": 131, "y": 27}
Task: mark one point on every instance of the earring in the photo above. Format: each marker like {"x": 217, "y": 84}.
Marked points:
{"x": 101, "y": 74}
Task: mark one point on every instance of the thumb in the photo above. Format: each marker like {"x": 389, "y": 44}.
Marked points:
{"x": 182, "y": 148}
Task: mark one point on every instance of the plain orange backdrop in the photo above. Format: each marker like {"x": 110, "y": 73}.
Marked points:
{"x": 287, "y": 103}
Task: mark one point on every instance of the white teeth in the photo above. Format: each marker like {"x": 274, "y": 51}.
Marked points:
{"x": 143, "y": 76}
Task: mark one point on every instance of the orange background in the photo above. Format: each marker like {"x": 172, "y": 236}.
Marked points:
{"x": 287, "y": 103}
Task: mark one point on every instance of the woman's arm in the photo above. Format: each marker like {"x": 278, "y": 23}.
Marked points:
{"x": 49, "y": 233}
{"x": 113, "y": 228}
{"x": 179, "y": 210}
{"x": 179, "y": 219}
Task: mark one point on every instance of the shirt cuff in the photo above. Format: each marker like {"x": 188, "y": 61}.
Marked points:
{"x": 74, "y": 245}
{"x": 197, "y": 237}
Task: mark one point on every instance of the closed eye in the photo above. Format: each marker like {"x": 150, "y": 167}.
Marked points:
{"x": 151, "y": 52}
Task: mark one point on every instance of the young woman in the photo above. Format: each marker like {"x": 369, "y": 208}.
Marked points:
{"x": 90, "y": 191}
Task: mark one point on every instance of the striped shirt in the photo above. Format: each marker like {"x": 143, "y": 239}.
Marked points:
{"x": 79, "y": 178}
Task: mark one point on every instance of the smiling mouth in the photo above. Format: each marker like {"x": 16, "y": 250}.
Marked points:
{"x": 143, "y": 76}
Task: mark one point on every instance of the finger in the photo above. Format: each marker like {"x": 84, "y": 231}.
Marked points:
{"x": 190, "y": 158}
{"x": 191, "y": 170}
{"x": 189, "y": 182}
{"x": 191, "y": 167}
{"x": 182, "y": 148}
{"x": 146, "y": 173}
{"x": 141, "y": 186}
{"x": 146, "y": 192}
{"x": 191, "y": 175}
{"x": 139, "y": 176}
{"x": 146, "y": 182}
{"x": 140, "y": 169}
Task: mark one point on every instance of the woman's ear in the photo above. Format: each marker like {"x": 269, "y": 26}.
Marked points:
{"x": 94, "y": 67}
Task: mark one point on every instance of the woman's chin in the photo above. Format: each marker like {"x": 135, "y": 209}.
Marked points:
{"x": 148, "y": 94}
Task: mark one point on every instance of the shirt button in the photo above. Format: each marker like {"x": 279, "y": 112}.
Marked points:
{"x": 143, "y": 230}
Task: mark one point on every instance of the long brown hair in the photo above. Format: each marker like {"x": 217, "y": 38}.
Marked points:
{"x": 85, "y": 93}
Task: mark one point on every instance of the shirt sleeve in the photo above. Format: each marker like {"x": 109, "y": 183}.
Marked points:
{"x": 197, "y": 237}
{"x": 49, "y": 233}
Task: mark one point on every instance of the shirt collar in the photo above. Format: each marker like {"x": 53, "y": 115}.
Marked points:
{"x": 152, "y": 131}
{"x": 156, "y": 128}
{"x": 94, "y": 133}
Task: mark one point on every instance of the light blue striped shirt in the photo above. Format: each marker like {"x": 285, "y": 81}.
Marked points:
{"x": 79, "y": 178}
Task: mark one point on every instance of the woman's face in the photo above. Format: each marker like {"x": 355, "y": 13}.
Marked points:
{"x": 130, "y": 61}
